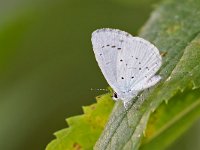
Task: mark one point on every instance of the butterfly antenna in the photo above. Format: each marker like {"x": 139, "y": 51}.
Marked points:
{"x": 99, "y": 89}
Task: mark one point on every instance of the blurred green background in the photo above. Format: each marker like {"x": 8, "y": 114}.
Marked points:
{"x": 47, "y": 66}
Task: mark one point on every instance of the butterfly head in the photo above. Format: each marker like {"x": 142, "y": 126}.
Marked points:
{"x": 115, "y": 96}
{"x": 124, "y": 96}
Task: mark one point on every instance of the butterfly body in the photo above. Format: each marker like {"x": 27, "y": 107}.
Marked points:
{"x": 128, "y": 63}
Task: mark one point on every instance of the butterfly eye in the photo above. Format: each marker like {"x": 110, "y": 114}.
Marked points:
{"x": 115, "y": 97}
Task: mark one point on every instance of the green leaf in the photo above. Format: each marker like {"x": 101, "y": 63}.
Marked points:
{"x": 84, "y": 130}
{"x": 174, "y": 28}
{"x": 169, "y": 121}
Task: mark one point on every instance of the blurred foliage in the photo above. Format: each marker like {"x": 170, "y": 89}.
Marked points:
{"x": 46, "y": 58}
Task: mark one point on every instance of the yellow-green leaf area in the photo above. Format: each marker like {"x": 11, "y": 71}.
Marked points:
{"x": 84, "y": 130}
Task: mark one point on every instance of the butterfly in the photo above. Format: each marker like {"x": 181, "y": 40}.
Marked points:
{"x": 129, "y": 64}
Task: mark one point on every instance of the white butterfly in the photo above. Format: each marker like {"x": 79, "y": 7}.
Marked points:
{"x": 128, "y": 63}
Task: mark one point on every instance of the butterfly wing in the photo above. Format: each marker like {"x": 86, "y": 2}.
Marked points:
{"x": 106, "y": 45}
{"x": 140, "y": 62}
{"x": 147, "y": 83}
{"x": 128, "y": 63}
